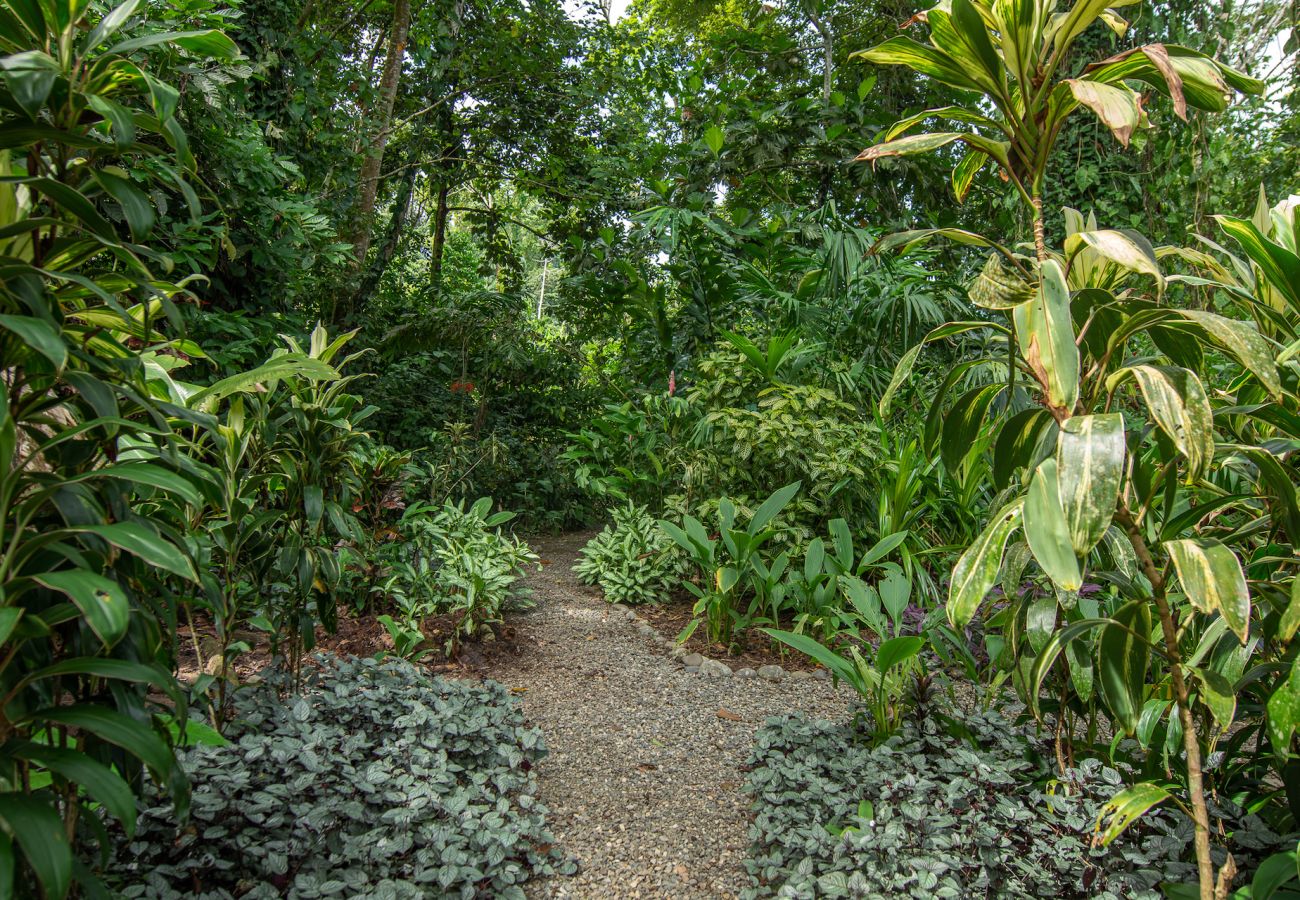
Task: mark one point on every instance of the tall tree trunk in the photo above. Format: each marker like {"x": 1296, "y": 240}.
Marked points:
{"x": 393, "y": 236}
{"x": 368, "y": 188}
{"x": 439, "y": 234}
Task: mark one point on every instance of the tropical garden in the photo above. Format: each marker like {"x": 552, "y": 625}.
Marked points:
{"x": 692, "y": 448}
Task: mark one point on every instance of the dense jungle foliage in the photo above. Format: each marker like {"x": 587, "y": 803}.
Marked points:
{"x": 962, "y": 352}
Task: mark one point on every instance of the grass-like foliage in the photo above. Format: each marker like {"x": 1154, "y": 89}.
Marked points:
{"x": 927, "y": 814}
{"x": 632, "y": 560}
{"x": 376, "y": 781}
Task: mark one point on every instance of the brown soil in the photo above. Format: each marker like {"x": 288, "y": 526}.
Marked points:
{"x": 752, "y": 648}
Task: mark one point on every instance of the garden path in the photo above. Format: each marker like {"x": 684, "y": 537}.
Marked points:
{"x": 646, "y": 761}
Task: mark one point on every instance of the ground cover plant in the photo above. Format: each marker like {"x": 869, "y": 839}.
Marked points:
{"x": 374, "y": 779}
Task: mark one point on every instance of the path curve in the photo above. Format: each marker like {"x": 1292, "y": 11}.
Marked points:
{"x": 644, "y": 777}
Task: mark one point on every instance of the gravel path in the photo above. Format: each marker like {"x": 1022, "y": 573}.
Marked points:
{"x": 643, "y": 778}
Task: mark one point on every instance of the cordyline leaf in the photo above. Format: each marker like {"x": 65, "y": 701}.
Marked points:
{"x": 1068, "y": 26}
{"x": 1177, "y": 401}
{"x": 1122, "y": 654}
{"x": 1286, "y": 629}
{"x": 1118, "y": 107}
{"x": 1090, "y": 459}
{"x": 914, "y": 144}
{"x": 1071, "y": 636}
{"x": 1188, "y": 77}
{"x": 946, "y": 113}
{"x": 903, "y": 51}
{"x": 101, "y": 600}
{"x": 1284, "y": 710}
{"x": 977, "y": 570}
{"x": 1243, "y": 341}
{"x": 963, "y": 36}
{"x": 1217, "y": 694}
{"x": 1126, "y": 249}
{"x": 999, "y": 287}
{"x": 1045, "y": 332}
{"x": 1046, "y": 528}
{"x": 963, "y": 174}
{"x": 1213, "y": 581}
{"x": 908, "y": 360}
{"x": 1125, "y": 808}
{"x": 1279, "y": 266}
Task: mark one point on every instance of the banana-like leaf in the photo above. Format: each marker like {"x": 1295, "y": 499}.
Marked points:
{"x": 1045, "y": 332}
{"x": 1047, "y": 529}
{"x": 1090, "y": 461}
{"x": 1068, "y": 26}
{"x": 1178, "y": 403}
{"x": 1125, "y": 808}
{"x": 977, "y": 570}
{"x": 1213, "y": 581}
{"x": 1123, "y": 651}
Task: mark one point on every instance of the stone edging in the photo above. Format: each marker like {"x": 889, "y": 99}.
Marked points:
{"x": 703, "y": 665}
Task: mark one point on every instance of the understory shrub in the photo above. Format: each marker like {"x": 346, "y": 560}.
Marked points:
{"x": 376, "y": 780}
{"x": 632, "y": 559}
{"x": 928, "y": 815}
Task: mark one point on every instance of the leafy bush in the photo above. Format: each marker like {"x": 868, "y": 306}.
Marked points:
{"x": 377, "y": 780}
{"x": 633, "y": 560}
{"x": 451, "y": 561}
{"x": 926, "y": 815}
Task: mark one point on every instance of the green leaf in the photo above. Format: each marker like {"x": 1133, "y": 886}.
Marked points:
{"x": 908, "y": 360}
{"x": 1274, "y": 872}
{"x": 1127, "y": 807}
{"x": 1279, "y": 266}
{"x": 1021, "y": 442}
{"x": 115, "y": 728}
{"x": 977, "y": 570}
{"x": 963, "y": 174}
{"x": 999, "y": 286}
{"x": 39, "y": 335}
{"x": 897, "y": 651}
{"x": 10, "y": 615}
{"x": 714, "y": 139}
{"x": 104, "y": 785}
{"x": 902, "y": 51}
{"x": 770, "y": 508}
{"x": 1212, "y": 579}
{"x": 1122, "y": 654}
{"x": 1090, "y": 460}
{"x": 1047, "y": 529}
{"x": 101, "y": 600}
{"x": 1178, "y": 403}
{"x": 141, "y": 541}
{"x": 279, "y": 368}
{"x": 1243, "y": 342}
{"x": 1118, "y": 106}
{"x": 38, "y": 831}
{"x": 1045, "y": 332}
{"x": 836, "y": 664}
{"x": 1286, "y": 629}
{"x": 1218, "y": 696}
{"x": 1126, "y": 249}
{"x": 137, "y": 208}
{"x": 151, "y": 475}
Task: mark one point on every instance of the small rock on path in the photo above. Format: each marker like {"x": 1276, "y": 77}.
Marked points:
{"x": 643, "y": 778}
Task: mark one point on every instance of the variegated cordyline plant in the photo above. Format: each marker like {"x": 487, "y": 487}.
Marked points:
{"x": 1107, "y": 450}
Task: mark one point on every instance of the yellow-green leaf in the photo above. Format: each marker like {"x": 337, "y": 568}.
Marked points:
{"x": 1045, "y": 333}
{"x": 1090, "y": 463}
{"x": 1046, "y": 528}
{"x": 1213, "y": 581}
{"x": 977, "y": 569}
{"x": 1125, "y": 808}
{"x": 1177, "y": 401}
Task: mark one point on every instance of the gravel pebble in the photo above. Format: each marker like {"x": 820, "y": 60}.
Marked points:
{"x": 643, "y": 778}
{"x": 771, "y": 673}
{"x": 692, "y": 659}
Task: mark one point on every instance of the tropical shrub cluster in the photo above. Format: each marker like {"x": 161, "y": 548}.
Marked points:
{"x": 453, "y": 562}
{"x": 632, "y": 560}
{"x": 376, "y": 779}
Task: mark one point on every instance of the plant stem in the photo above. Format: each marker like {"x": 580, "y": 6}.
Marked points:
{"x": 1040, "y": 232}
{"x": 1191, "y": 743}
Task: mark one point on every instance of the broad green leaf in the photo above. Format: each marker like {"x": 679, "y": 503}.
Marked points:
{"x": 1211, "y": 577}
{"x": 1023, "y": 441}
{"x": 104, "y": 785}
{"x": 1273, "y": 873}
{"x": 1218, "y": 696}
{"x": 1047, "y": 529}
{"x": 1090, "y": 461}
{"x": 141, "y": 541}
{"x": 39, "y": 335}
{"x": 38, "y": 831}
{"x": 897, "y": 651}
{"x": 836, "y": 664}
{"x": 115, "y": 728}
{"x": 154, "y": 476}
{"x": 963, "y": 174}
{"x": 770, "y": 508}
{"x": 273, "y": 370}
{"x": 908, "y": 360}
{"x": 1040, "y": 621}
{"x": 977, "y": 569}
{"x": 1045, "y": 332}
{"x": 1068, "y": 636}
{"x": 714, "y": 139}
{"x": 101, "y": 600}
{"x": 1126, "y": 249}
{"x": 1177, "y": 401}
{"x": 1278, "y": 265}
{"x": 1122, "y": 655}
{"x": 1286, "y": 629}
{"x": 1127, "y": 807}
{"x": 10, "y": 615}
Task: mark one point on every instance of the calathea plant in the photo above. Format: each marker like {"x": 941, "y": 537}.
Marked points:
{"x": 1119, "y": 441}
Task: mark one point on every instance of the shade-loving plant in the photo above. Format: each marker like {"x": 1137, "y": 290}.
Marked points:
{"x": 1123, "y": 436}
{"x": 632, "y": 560}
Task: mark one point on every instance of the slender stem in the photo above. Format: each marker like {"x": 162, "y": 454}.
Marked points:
{"x": 1191, "y": 742}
